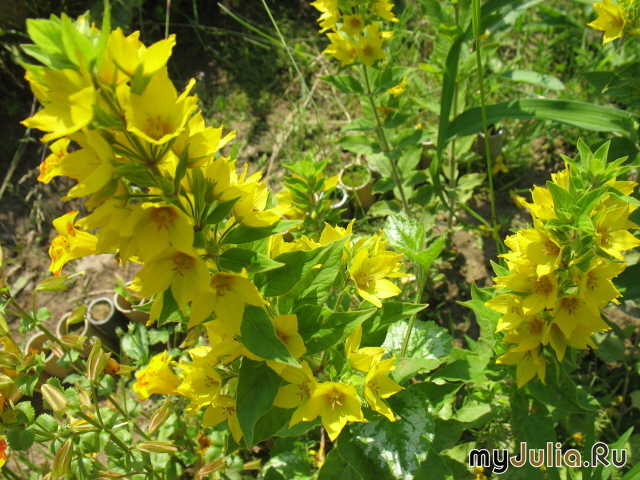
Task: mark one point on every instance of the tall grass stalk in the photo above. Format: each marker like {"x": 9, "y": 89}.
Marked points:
{"x": 476, "y": 18}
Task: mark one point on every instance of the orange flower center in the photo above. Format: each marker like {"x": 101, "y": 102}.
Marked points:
{"x": 157, "y": 127}
{"x": 163, "y": 217}
{"x": 183, "y": 263}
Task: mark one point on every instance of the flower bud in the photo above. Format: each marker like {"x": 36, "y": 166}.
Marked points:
{"x": 54, "y": 397}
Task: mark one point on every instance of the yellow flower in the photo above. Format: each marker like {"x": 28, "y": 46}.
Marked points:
{"x": 201, "y": 382}
{"x": 571, "y": 311}
{"x": 129, "y": 54}
{"x": 500, "y": 166}
{"x": 611, "y": 231}
{"x": 369, "y": 49}
{"x": 377, "y": 387}
{"x": 184, "y": 272}
{"x": 156, "y": 377}
{"x": 296, "y": 395}
{"x": 611, "y": 20}
{"x": 330, "y": 13}
{"x": 200, "y": 142}
{"x": 398, "y": 89}
{"x": 336, "y": 404}
{"x": 542, "y": 250}
{"x": 51, "y": 167}
{"x": 528, "y": 334}
{"x": 70, "y": 243}
{"x": 223, "y": 408}
{"x": 226, "y": 296}
{"x": 250, "y": 209}
{"x": 542, "y": 207}
{"x": 352, "y": 24}
{"x": 286, "y": 327}
{"x": 529, "y": 363}
{"x": 596, "y": 287}
{"x": 91, "y": 165}
{"x": 155, "y": 121}
{"x": 361, "y": 358}
{"x": 341, "y": 49}
{"x": 518, "y": 200}
{"x": 368, "y": 275}
{"x": 383, "y": 10}
{"x": 153, "y": 227}
{"x": 510, "y": 306}
{"x": 68, "y": 97}
{"x": 225, "y": 343}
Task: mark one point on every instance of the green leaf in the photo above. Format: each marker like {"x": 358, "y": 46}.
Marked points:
{"x": 359, "y": 144}
{"x": 220, "y": 212}
{"x": 429, "y": 346}
{"x": 258, "y": 335}
{"x": 47, "y": 423}
{"x": 344, "y": 83}
{"x": 534, "y": 425}
{"x": 237, "y": 259}
{"x": 316, "y": 285}
{"x": 135, "y": 343}
{"x": 486, "y": 317}
{"x": 627, "y": 282}
{"x": 290, "y": 458}
{"x": 404, "y": 233}
{"x": 21, "y": 439}
{"x": 398, "y": 447}
{"x": 611, "y": 347}
{"x": 243, "y": 234}
{"x": 359, "y": 125}
{"x": 273, "y": 474}
{"x": 357, "y": 459}
{"x": 329, "y": 328}
{"x": 388, "y": 78}
{"x": 535, "y": 78}
{"x": 52, "y": 284}
{"x": 47, "y": 34}
{"x": 79, "y": 48}
{"x": 335, "y": 468}
{"x": 391, "y": 312}
{"x": 296, "y": 265}
{"x": 586, "y": 116}
{"x": 384, "y": 185}
{"x": 465, "y": 366}
{"x": 561, "y": 392}
{"x": 604, "y": 473}
{"x": 170, "y": 312}
{"x": 258, "y": 386}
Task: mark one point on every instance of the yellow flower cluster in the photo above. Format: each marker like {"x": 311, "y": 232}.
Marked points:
{"x": 355, "y": 34}
{"x": 149, "y": 167}
{"x": 369, "y": 263}
{"x": 560, "y": 276}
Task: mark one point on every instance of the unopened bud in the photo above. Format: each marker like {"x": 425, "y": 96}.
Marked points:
{"x": 96, "y": 362}
{"x": 156, "y": 447}
{"x": 54, "y": 397}
{"x": 160, "y": 416}
{"x": 63, "y": 460}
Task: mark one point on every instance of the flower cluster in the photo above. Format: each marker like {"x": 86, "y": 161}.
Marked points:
{"x": 367, "y": 260}
{"x": 615, "y": 19}
{"x": 560, "y": 271}
{"x": 160, "y": 194}
{"x": 209, "y": 384}
{"x": 354, "y": 29}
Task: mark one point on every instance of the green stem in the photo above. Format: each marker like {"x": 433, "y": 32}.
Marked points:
{"x": 24, "y": 314}
{"x": 382, "y": 136}
{"x": 421, "y": 277}
{"x": 485, "y": 126}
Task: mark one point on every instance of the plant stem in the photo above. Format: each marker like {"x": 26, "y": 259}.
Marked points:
{"x": 382, "y": 136}
{"x": 452, "y": 169}
{"x": 421, "y": 277}
{"x": 485, "y": 127}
